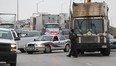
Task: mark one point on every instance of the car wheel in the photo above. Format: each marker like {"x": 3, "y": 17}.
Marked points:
{"x": 22, "y": 50}
{"x": 47, "y": 49}
{"x": 29, "y": 52}
{"x": 12, "y": 64}
{"x": 66, "y": 48}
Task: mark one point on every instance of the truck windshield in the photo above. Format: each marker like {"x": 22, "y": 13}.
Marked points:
{"x": 88, "y": 25}
{"x": 52, "y": 26}
{"x": 5, "y": 34}
{"x": 9, "y": 26}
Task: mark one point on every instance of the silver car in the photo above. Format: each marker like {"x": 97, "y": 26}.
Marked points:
{"x": 47, "y": 43}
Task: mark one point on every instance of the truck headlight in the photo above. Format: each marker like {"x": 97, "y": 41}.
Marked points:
{"x": 13, "y": 47}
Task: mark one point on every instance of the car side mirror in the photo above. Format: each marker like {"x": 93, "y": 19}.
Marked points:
{"x": 35, "y": 40}
{"x": 17, "y": 38}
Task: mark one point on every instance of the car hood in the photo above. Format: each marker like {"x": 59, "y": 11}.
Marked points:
{"x": 38, "y": 42}
{"x": 7, "y": 41}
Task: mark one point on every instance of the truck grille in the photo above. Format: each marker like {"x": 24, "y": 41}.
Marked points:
{"x": 89, "y": 39}
{"x": 5, "y": 47}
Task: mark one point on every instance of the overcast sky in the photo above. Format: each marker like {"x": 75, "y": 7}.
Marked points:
{"x": 27, "y": 7}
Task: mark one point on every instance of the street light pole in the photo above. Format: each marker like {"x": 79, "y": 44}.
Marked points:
{"x": 17, "y": 10}
{"x": 37, "y": 5}
{"x": 61, "y": 7}
{"x": 112, "y": 19}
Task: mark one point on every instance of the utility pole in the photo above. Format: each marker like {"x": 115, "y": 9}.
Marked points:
{"x": 17, "y": 10}
{"x": 61, "y": 7}
{"x": 37, "y": 7}
{"x": 38, "y": 4}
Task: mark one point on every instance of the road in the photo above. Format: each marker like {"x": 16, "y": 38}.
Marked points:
{"x": 58, "y": 58}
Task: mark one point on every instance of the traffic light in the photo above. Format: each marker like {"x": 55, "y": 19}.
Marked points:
{"x": 88, "y": 1}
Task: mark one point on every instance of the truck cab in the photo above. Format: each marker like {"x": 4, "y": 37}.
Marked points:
{"x": 8, "y": 46}
{"x": 52, "y": 27}
{"x": 91, "y": 24}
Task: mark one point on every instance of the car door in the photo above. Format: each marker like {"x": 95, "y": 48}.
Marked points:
{"x": 62, "y": 42}
{"x": 56, "y": 42}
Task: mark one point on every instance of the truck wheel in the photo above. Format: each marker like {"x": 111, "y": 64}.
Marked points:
{"x": 47, "y": 49}
{"x": 105, "y": 52}
{"x": 66, "y": 48}
{"x": 29, "y": 52}
{"x": 22, "y": 50}
{"x": 12, "y": 64}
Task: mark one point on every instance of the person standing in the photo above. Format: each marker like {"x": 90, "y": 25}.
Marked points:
{"x": 60, "y": 30}
{"x": 73, "y": 51}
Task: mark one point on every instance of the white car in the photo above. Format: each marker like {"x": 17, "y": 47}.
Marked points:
{"x": 47, "y": 43}
{"x": 8, "y": 46}
{"x": 113, "y": 43}
{"x": 28, "y": 36}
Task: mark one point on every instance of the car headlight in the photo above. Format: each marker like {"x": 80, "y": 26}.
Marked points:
{"x": 13, "y": 47}
{"x": 41, "y": 45}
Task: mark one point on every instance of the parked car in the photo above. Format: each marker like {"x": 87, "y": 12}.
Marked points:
{"x": 47, "y": 43}
{"x": 24, "y": 33}
{"x": 112, "y": 41}
{"x": 33, "y": 33}
{"x": 65, "y": 31}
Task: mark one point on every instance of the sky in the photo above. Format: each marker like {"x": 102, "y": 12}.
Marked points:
{"x": 28, "y": 7}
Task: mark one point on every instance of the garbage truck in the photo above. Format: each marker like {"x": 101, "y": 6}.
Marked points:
{"x": 91, "y": 24}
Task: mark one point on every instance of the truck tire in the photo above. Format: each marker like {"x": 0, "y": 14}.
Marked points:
{"x": 105, "y": 52}
{"x": 29, "y": 52}
{"x": 67, "y": 47}
{"x": 47, "y": 49}
{"x": 82, "y": 52}
{"x": 12, "y": 64}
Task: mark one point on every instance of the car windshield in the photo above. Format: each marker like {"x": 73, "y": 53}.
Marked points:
{"x": 33, "y": 33}
{"x": 52, "y": 26}
{"x": 85, "y": 25}
{"x": 25, "y": 31}
{"x": 45, "y": 38}
{"x": 5, "y": 34}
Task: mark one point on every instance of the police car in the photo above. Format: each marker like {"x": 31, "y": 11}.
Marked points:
{"x": 47, "y": 43}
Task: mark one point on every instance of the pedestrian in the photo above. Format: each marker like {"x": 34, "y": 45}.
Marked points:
{"x": 73, "y": 51}
{"x": 60, "y": 30}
